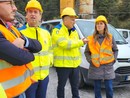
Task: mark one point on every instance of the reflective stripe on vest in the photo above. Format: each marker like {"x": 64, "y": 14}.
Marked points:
{"x": 69, "y": 42}
{"x": 36, "y": 69}
{"x": 60, "y": 39}
{"x": 66, "y": 58}
{"x": 14, "y": 79}
{"x": 101, "y": 54}
{"x": 41, "y": 53}
{"x": 97, "y": 62}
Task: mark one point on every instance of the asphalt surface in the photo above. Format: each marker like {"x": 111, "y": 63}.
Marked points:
{"x": 86, "y": 92}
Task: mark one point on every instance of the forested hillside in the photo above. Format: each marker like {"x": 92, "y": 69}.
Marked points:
{"x": 117, "y": 11}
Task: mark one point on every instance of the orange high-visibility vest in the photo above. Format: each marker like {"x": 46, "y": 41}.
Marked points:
{"x": 101, "y": 54}
{"x": 14, "y": 79}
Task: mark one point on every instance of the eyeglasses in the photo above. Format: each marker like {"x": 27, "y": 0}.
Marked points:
{"x": 11, "y": 2}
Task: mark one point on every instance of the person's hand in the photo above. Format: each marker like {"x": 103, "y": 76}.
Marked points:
{"x": 19, "y": 42}
{"x": 85, "y": 40}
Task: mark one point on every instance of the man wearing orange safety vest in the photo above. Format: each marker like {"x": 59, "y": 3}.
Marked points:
{"x": 43, "y": 59}
{"x": 16, "y": 53}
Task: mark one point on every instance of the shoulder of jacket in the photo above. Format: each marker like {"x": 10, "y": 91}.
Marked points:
{"x": 44, "y": 30}
{"x": 22, "y": 28}
{"x": 110, "y": 34}
{"x": 58, "y": 26}
{"x": 90, "y": 36}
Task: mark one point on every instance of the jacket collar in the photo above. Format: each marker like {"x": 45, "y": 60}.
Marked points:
{"x": 29, "y": 26}
{"x": 72, "y": 29}
{"x": 2, "y": 22}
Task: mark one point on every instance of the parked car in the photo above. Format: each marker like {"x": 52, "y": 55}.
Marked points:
{"x": 122, "y": 66}
{"x": 125, "y": 33}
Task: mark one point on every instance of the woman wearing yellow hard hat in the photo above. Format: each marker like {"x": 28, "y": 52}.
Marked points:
{"x": 101, "y": 52}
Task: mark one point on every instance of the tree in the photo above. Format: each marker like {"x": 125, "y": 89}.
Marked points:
{"x": 21, "y": 6}
{"x": 124, "y": 9}
{"x": 51, "y": 9}
{"x": 104, "y": 7}
{"x": 116, "y": 11}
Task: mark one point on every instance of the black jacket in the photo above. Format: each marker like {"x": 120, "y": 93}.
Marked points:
{"x": 15, "y": 55}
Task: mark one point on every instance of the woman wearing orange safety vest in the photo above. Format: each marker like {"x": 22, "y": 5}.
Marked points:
{"x": 16, "y": 51}
{"x": 101, "y": 52}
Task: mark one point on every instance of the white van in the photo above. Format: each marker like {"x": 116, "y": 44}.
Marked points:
{"x": 85, "y": 28}
{"x": 125, "y": 33}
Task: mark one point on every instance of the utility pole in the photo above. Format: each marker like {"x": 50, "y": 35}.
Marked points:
{"x": 66, "y": 3}
{"x": 85, "y": 7}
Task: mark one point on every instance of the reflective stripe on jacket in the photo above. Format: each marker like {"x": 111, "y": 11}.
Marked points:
{"x": 14, "y": 79}
{"x": 66, "y": 47}
{"x": 2, "y": 92}
{"x": 101, "y": 54}
{"x": 44, "y": 58}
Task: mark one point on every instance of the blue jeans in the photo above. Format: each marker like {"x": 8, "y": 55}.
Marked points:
{"x": 73, "y": 75}
{"x": 21, "y": 96}
{"x": 38, "y": 89}
{"x": 108, "y": 88}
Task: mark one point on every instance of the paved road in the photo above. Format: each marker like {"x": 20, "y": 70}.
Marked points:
{"x": 86, "y": 92}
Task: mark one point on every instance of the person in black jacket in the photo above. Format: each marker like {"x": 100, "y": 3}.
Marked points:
{"x": 21, "y": 50}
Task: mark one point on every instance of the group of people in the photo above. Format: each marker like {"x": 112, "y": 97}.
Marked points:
{"x": 27, "y": 53}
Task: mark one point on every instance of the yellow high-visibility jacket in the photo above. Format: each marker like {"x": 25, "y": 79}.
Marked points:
{"x": 101, "y": 54}
{"x": 2, "y": 92}
{"x": 44, "y": 58}
{"x": 66, "y": 47}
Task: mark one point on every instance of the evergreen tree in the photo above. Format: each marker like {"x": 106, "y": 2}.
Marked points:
{"x": 51, "y": 9}
{"x": 124, "y": 10}
{"x": 116, "y": 11}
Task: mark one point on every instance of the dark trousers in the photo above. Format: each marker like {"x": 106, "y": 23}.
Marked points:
{"x": 38, "y": 89}
{"x": 73, "y": 75}
{"x": 108, "y": 88}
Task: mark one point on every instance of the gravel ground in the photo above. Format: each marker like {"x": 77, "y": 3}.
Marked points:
{"x": 86, "y": 92}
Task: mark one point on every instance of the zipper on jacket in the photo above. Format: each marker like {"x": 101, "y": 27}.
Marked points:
{"x": 38, "y": 55}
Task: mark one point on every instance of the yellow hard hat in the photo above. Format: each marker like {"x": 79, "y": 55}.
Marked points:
{"x": 101, "y": 18}
{"x": 34, "y": 4}
{"x": 68, "y": 11}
